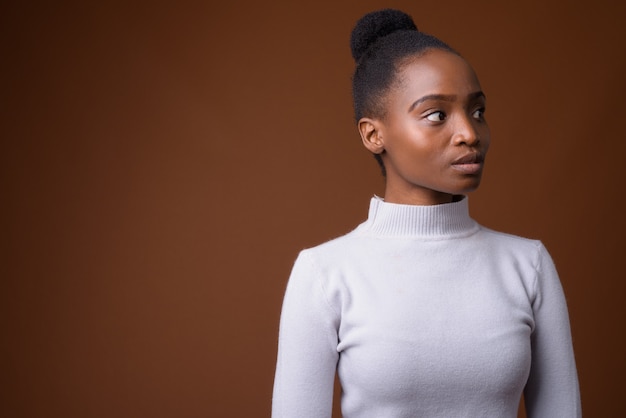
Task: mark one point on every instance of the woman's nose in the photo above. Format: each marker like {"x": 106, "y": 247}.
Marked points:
{"x": 465, "y": 132}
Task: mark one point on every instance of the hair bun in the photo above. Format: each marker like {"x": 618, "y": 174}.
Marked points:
{"x": 374, "y": 26}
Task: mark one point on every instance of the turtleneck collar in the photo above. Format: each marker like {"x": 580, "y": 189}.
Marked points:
{"x": 446, "y": 220}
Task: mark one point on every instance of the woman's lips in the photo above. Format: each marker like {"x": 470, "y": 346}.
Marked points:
{"x": 471, "y": 163}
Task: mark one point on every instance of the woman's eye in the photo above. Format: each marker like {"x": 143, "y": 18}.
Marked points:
{"x": 436, "y": 116}
{"x": 479, "y": 114}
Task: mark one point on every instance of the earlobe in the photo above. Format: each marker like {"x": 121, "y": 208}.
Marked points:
{"x": 371, "y": 135}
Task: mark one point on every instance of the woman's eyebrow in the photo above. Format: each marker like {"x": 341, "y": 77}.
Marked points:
{"x": 445, "y": 97}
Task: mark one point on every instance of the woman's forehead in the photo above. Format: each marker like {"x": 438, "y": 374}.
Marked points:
{"x": 437, "y": 72}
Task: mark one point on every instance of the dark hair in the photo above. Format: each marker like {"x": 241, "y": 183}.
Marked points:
{"x": 380, "y": 42}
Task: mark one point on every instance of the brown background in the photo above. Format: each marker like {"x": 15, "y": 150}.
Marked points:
{"x": 161, "y": 166}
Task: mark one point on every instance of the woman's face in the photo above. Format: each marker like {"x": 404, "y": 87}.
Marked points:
{"x": 434, "y": 136}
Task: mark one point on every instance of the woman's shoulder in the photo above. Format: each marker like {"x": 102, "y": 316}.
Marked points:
{"x": 511, "y": 242}
{"x": 339, "y": 243}
{"x": 335, "y": 251}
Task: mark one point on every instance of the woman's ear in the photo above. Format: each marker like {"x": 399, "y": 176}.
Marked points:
{"x": 371, "y": 135}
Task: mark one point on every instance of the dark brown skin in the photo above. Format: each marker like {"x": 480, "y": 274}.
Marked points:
{"x": 433, "y": 137}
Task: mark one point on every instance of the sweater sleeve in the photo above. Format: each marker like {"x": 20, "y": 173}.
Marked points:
{"x": 307, "y": 347}
{"x": 552, "y": 389}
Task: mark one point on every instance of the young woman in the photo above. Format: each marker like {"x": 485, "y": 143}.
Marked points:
{"x": 421, "y": 311}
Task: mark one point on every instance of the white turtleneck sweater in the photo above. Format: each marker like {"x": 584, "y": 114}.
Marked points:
{"x": 424, "y": 313}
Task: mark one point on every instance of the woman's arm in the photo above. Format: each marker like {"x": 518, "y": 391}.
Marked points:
{"x": 552, "y": 390}
{"x": 307, "y": 347}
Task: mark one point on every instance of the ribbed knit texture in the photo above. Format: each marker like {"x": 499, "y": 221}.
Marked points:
{"x": 424, "y": 313}
{"x": 428, "y": 222}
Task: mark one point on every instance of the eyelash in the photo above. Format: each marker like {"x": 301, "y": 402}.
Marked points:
{"x": 480, "y": 116}
{"x": 438, "y": 112}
